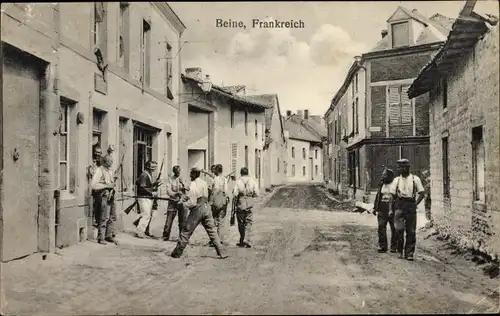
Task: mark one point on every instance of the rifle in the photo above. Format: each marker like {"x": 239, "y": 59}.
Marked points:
{"x": 233, "y": 212}
{"x": 120, "y": 168}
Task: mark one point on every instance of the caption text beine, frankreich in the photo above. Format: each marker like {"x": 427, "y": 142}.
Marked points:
{"x": 256, "y": 23}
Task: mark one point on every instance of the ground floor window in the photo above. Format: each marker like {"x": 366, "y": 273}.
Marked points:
{"x": 316, "y": 169}
{"x": 478, "y": 165}
{"x": 303, "y": 170}
{"x": 293, "y": 170}
{"x": 143, "y": 148}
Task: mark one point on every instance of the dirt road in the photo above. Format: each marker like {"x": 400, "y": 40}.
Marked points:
{"x": 304, "y": 261}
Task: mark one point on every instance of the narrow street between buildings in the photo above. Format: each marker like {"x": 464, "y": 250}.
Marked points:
{"x": 308, "y": 258}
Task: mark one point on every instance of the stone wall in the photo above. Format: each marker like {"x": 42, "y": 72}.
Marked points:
{"x": 472, "y": 101}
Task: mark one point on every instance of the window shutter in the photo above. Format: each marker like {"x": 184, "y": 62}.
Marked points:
{"x": 234, "y": 157}
{"x": 406, "y": 106}
{"x": 394, "y": 105}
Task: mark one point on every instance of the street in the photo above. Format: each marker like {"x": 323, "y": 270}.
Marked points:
{"x": 308, "y": 258}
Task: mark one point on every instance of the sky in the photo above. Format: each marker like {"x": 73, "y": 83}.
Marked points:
{"x": 304, "y": 66}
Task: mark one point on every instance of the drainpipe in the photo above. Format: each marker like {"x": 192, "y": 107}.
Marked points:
{"x": 57, "y": 204}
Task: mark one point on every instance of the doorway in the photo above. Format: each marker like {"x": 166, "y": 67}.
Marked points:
{"x": 21, "y": 88}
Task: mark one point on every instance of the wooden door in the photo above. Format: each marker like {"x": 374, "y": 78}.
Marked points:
{"x": 21, "y": 112}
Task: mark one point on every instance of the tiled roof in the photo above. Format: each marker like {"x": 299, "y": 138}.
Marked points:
{"x": 269, "y": 100}
{"x": 233, "y": 89}
{"x": 436, "y": 29}
{"x": 221, "y": 91}
{"x": 318, "y": 127}
{"x": 466, "y": 31}
{"x": 303, "y": 130}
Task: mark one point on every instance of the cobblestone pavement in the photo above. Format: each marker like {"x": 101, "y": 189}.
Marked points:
{"x": 302, "y": 262}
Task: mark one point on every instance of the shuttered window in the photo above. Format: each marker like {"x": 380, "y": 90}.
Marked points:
{"x": 234, "y": 157}
{"x": 400, "y": 106}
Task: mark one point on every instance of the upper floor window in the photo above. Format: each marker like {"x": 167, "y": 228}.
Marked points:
{"x": 316, "y": 154}
{"x": 400, "y": 34}
{"x": 146, "y": 53}
{"x": 444, "y": 91}
{"x": 169, "y": 72}
{"x": 232, "y": 116}
{"x": 304, "y": 153}
{"x": 356, "y": 83}
{"x": 293, "y": 152}
{"x": 99, "y": 29}
{"x": 123, "y": 36}
{"x": 246, "y": 123}
{"x": 256, "y": 129}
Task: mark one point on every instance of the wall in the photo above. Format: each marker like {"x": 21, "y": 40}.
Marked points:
{"x": 399, "y": 67}
{"x": 274, "y": 174}
{"x": 225, "y": 135}
{"x": 122, "y": 95}
{"x": 472, "y": 100}
{"x": 198, "y": 130}
{"x": 299, "y": 162}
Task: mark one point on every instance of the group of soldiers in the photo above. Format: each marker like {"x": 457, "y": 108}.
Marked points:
{"x": 396, "y": 204}
{"x": 199, "y": 203}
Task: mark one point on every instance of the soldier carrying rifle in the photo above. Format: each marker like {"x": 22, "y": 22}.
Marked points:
{"x": 176, "y": 189}
{"x": 103, "y": 186}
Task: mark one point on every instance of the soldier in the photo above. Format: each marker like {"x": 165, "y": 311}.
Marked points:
{"x": 404, "y": 190}
{"x": 175, "y": 189}
{"x": 219, "y": 200}
{"x": 244, "y": 192}
{"x": 382, "y": 208}
{"x": 197, "y": 201}
{"x": 147, "y": 188}
{"x": 96, "y": 162}
{"x": 103, "y": 186}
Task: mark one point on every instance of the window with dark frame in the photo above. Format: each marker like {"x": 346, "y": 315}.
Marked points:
{"x": 64, "y": 146}
{"x": 123, "y": 38}
{"x": 478, "y": 163}
{"x": 169, "y": 72}
{"x": 143, "y": 148}
{"x": 246, "y": 156}
{"x": 293, "y": 152}
{"x": 445, "y": 164}
{"x": 246, "y": 123}
{"x": 232, "y": 116}
{"x": 316, "y": 169}
{"x": 146, "y": 53}
{"x": 356, "y": 124}
{"x": 304, "y": 170}
{"x": 293, "y": 170}
{"x": 316, "y": 154}
{"x": 122, "y": 150}
{"x": 256, "y": 129}
{"x": 400, "y": 34}
{"x": 97, "y": 120}
{"x": 444, "y": 91}
{"x": 303, "y": 153}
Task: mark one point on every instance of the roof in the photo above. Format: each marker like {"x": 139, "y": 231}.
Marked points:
{"x": 436, "y": 29}
{"x": 234, "y": 89}
{"x": 298, "y": 131}
{"x": 302, "y": 129}
{"x": 466, "y": 31}
{"x": 269, "y": 99}
{"x": 245, "y": 101}
{"x": 317, "y": 126}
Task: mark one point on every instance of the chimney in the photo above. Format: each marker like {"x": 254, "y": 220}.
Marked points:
{"x": 306, "y": 114}
{"x": 300, "y": 114}
{"x": 384, "y": 33}
{"x": 194, "y": 72}
{"x": 288, "y": 113}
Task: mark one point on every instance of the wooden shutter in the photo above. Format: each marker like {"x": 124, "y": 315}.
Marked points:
{"x": 394, "y": 105}
{"x": 406, "y": 106}
{"x": 234, "y": 157}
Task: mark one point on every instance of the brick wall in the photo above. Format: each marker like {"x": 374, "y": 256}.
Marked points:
{"x": 399, "y": 67}
{"x": 472, "y": 100}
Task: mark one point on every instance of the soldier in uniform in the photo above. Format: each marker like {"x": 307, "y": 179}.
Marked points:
{"x": 197, "y": 201}
{"x": 175, "y": 190}
{"x": 244, "y": 192}
{"x": 147, "y": 188}
{"x": 219, "y": 199}
{"x": 404, "y": 191}
{"x": 103, "y": 185}
{"x": 96, "y": 163}
{"x": 382, "y": 208}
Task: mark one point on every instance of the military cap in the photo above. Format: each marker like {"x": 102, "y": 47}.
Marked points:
{"x": 403, "y": 161}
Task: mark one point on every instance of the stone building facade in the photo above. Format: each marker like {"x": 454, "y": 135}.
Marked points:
{"x": 220, "y": 127}
{"x": 106, "y": 75}
{"x": 378, "y": 123}
{"x": 305, "y": 148}
{"x": 464, "y": 128}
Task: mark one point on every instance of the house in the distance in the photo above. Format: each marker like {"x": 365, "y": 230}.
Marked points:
{"x": 305, "y": 145}
{"x": 274, "y": 148}
{"x": 371, "y": 121}
{"x": 463, "y": 82}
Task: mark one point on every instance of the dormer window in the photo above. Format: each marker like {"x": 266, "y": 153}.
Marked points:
{"x": 400, "y": 34}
